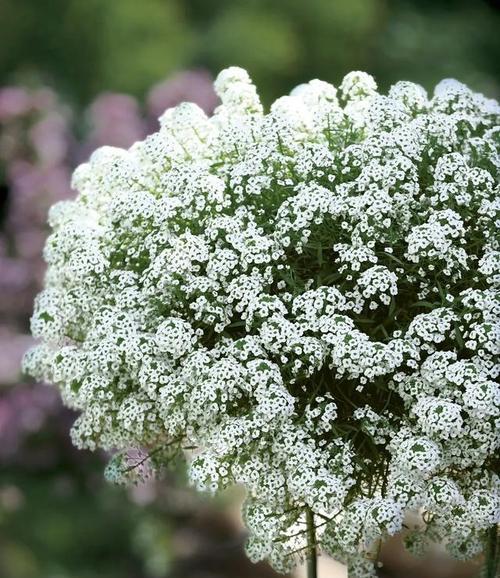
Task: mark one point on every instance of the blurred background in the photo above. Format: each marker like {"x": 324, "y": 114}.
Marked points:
{"x": 78, "y": 74}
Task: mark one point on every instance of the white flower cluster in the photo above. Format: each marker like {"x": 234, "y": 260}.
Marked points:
{"x": 304, "y": 301}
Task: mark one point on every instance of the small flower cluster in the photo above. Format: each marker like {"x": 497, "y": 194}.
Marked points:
{"x": 304, "y": 302}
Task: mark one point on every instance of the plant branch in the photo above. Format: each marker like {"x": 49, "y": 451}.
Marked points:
{"x": 492, "y": 553}
{"x": 312, "y": 554}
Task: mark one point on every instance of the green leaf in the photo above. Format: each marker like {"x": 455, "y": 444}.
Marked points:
{"x": 458, "y": 337}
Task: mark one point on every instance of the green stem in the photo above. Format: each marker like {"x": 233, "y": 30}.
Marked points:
{"x": 312, "y": 554}
{"x": 492, "y": 553}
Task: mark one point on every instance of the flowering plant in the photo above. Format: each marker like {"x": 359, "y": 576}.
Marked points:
{"x": 304, "y": 302}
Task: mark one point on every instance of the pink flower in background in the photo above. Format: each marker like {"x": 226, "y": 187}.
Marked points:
{"x": 49, "y": 138}
{"x": 14, "y": 102}
{"x": 24, "y": 410}
{"x": 115, "y": 120}
{"x": 16, "y": 279}
{"x": 12, "y": 346}
{"x": 34, "y": 166}
{"x": 190, "y": 85}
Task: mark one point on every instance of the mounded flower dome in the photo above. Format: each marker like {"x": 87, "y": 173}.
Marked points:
{"x": 303, "y": 302}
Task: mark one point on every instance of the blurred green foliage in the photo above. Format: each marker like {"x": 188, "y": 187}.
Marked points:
{"x": 85, "y": 46}
{"x": 60, "y": 519}
{"x": 42, "y": 541}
